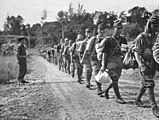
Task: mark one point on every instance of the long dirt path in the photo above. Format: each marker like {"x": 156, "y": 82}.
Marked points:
{"x": 55, "y": 95}
{"x": 78, "y": 103}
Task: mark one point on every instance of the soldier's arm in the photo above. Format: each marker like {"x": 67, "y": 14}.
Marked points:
{"x": 18, "y": 53}
{"x": 137, "y": 50}
{"x": 80, "y": 50}
{"x": 104, "y": 57}
{"x": 87, "y": 51}
{"x": 72, "y": 51}
{"x": 104, "y": 48}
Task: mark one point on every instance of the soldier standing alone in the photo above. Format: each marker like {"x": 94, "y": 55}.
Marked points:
{"x": 21, "y": 57}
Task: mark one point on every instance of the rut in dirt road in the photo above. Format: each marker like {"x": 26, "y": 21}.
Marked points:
{"x": 76, "y": 102}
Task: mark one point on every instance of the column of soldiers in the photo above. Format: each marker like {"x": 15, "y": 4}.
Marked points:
{"x": 103, "y": 53}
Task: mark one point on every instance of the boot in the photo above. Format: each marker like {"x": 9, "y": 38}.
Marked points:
{"x": 99, "y": 89}
{"x": 88, "y": 78}
{"x": 138, "y": 101}
{"x": 79, "y": 75}
{"x": 72, "y": 71}
{"x": 110, "y": 85}
{"x": 155, "y": 109}
{"x": 106, "y": 95}
{"x": 117, "y": 93}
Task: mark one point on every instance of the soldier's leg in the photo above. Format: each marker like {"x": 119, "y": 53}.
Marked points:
{"x": 22, "y": 70}
{"x": 25, "y": 69}
{"x": 99, "y": 85}
{"x": 72, "y": 69}
{"x": 65, "y": 64}
{"x": 141, "y": 92}
{"x": 115, "y": 74}
{"x": 109, "y": 86}
{"x": 117, "y": 93}
{"x": 59, "y": 63}
{"x": 79, "y": 71}
{"x": 155, "y": 109}
{"x": 68, "y": 65}
{"x": 88, "y": 75}
{"x": 96, "y": 67}
{"x": 20, "y": 75}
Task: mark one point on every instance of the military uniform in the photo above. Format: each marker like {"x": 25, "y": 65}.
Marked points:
{"x": 147, "y": 65}
{"x": 112, "y": 59}
{"x": 67, "y": 61}
{"x": 95, "y": 62}
{"x": 60, "y": 60}
{"x": 21, "y": 57}
{"x": 112, "y": 49}
{"x": 75, "y": 63}
{"x": 86, "y": 63}
{"x": 143, "y": 45}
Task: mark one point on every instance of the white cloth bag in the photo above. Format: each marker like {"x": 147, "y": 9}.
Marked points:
{"x": 103, "y": 77}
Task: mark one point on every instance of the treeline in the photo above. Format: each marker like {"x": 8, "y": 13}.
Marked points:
{"x": 72, "y": 21}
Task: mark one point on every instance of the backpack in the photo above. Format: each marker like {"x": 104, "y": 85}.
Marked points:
{"x": 156, "y": 52}
{"x": 129, "y": 60}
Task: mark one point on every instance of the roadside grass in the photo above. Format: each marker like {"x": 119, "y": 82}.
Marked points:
{"x": 9, "y": 68}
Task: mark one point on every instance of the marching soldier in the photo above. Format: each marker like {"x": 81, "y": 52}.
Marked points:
{"x": 112, "y": 60}
{"x": 64, "y": 58}
{"x": 49, "y": 54}
{"x": 86, "y": 61}
{"x": 66, "y": 55}
{"x": 21, "y": 57}
{"x": 75, "y": 61}
{"x": 60, "y": 60}
{"x": 91, "y": 50}
{"x": 147, "y": 66}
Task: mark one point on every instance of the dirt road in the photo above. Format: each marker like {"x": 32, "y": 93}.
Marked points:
{"x": 54, "y": 95}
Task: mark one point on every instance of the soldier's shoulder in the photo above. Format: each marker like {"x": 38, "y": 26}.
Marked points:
{"x": 19, "y": 46}
{"x": 140, "y": 36}
{"x": 106, "y": 39}
{"x": 92, "y": 39}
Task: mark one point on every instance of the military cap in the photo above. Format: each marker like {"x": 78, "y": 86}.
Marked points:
{"x": 79, "y": 37}
{"x": 88, "y": 30}
{"x": 21, "y": 38}
{"x": 101, "y": 26}
{"x": 66, "y": 39}
{"x": 154, "y": 19}
{"x": 117, "y": 23}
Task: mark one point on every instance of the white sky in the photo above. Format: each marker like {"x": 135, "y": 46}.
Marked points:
{"x": 31, "y": 10}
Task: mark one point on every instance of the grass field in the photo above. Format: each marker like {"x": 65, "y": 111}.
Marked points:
{"x": 9, "y": 68}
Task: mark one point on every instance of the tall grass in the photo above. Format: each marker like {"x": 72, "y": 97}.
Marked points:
{"x": 8, "y": 68}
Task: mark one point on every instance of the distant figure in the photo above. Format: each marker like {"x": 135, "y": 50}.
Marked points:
{"x": 75, "y": 60}
{"x": 21, "y": 57}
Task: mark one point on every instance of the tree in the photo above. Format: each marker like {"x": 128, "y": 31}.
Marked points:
{"x": 156, "y": 11}
{"x": 136, "y": 15}
{"x": 62, "y": 20}
{"x": 13, "y": 25}
{"x": 43, "y": 16}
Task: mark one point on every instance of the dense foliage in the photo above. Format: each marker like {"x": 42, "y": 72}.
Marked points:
{"x": 70, "y": 22}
